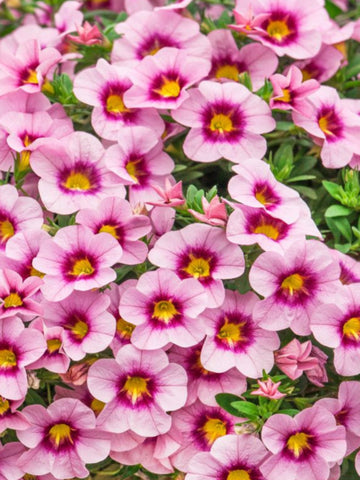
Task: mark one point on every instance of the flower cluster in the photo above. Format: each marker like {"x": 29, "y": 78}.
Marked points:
{"x": 147, "y": 330}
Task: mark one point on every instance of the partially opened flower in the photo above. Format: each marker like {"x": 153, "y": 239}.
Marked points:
{"x": 214, "y": 212}
{"x": 138, "y": 387}
{"x": 62, "y": 439}
{"x": 322, "y": 66}
{"x": 202, "y": 252}
{"x": 76, "y": 259}
{"x": 226, "y": 120}
{"x": 303, "y": 445}
{"x": 268, "y": 389}
{"x": 295, "y": 358}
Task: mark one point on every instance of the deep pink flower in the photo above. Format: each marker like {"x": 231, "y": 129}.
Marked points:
{"x": 87, "y": 35}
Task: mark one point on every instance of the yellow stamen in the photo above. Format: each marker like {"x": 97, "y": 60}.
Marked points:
{"x": 231, "y": 333}
{"x": 47, "y": 87}
{"x": 228, "y": 71}
{"x": 80, "y": 329}
{"x": 4, "y": 405}
{"x": 7, "y": 359}
{"x": 299, "y": 442}
{"x": 293, "y": 283}
{"x": 6, "y": 230}
{"x": 324, "y": 124}
{"x": 263, "y": 195}
{"x": 82, "y": 267}
{"x": 136, "y": 388}
{"x": 53, "y": 345}
{"x": 31, "y": 78}
{"x": 124, "y": 328}
{"x": 115, "y": 104}
{"x": 278, "y": 29}
{"x": 198, "y": 267}
{"x": 77, "y": 181}
{"x": 35, "y": 273}
{"x": 268, "y": 230}
{"x": 133, "y": 170}
{"x": 164, "y": 310}
{"x": 60, "y": 434}
{"x": 213, "y": 428}
{"x": 169, "y": 88}
{"x": 109, "y": 229}
{"x": 221, "y": 123}
{"x": 238, "y": 475}
{"x": 351, "y": 328}
{"x": 13, "y": 300}
{"x": 286, "y": 96}
{"x": 97, "y": 406}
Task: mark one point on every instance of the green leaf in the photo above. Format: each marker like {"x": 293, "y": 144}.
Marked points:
{"x": 337, "y": 211}
{"x": 334, "y": 189}
{"x": 211, "y": 193}
{"x": 246, "y": 409}
{"x": 33, "y": 398}
{"x": 284, "y": 126}
{"x": 225, "y": 401}
{"x": 340, "y": 226}
{"x": 289, "y": 411}
{"x": 284, "y": 156}
{"x": 304, "y": 165}
{"x": 343, "y": 248}
{"x": 332, "y": 9}
{"x": 301, "y": 178}
{"x": 306, "y": 191}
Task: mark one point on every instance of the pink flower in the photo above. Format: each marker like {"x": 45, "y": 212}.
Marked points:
{"x": 138, "y": 387}
{"x": 293, "y": 284}
{"x": 10, "y": 417}
{"x": 322, "y": 66}
{"x": 231, "y": 457}
{"x": 9, "y": 455}
{"x": 226, "y": 120}
{"x": 202, "y": 252}
{"x": 161, "y": 79}
{"x": 171, "y": 195}
{"x": 295, "y": 358}
{"x": 318, "y": 375}
{"x": 234, "y": 338}
{"x": 15, "y": 295}
{"x": 87, "y": 35}
{"x": 303, "y": 445}
{"x": 165, "y": 310}
{"x": 268, "y": 389}
{"x": 76, "y": 259}
{"x": 214, "y": 212}
{"x": 18, "y": 348}
{"x": 62, "y": 439}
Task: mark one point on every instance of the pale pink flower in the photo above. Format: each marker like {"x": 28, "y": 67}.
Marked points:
{"x": 268, "y": 389}
{"x": 9, "y": 455}
{"x": 295, "y": 358}
{"x": 11, "y": 417}
{"x": 214, "y": 212}
{"x": 171, "y": 195}
{"x": 87, "y": 35}
{"x": 16, "y": 293}
{"x": 322, "y": 66}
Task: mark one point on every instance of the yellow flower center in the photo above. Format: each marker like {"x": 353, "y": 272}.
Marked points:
{"x": 221, "y": 123}
{"x": 231, "y": 333}
{"x": 164, "y": 310}
{"x": 124, "y": 328}
{"x": 109, "y": 229}
{"x": 298, "y": 443}
{"x": 132, "y": 167}
{"x": 97, "y": 406}
{"x": 268, "y": 230}
{"x": 213, "y": 429}
{"x": 13, "y": 300}
{"x": 286, "y": 96}
{"x": 60, "y": 434}
{"x": 35, "y": 273}
{"x": 351, "y": 328}
{"x": 238, "y": 475}
{"x": 228, "y": 71}
{"x": 6, "y": 230}
{"x": 325, "y": 124}
{"x": 24, "y": 162}
{"x": 79, "y": 329}
{"x": 77, "y": 181}
{"x": 7, "y": 359}
{"x": 264, "y": 195}
{"x": 198, "y": 267}
{"x": 82, "y": 267}
{"x": 4, "y": 405}
{"x": 28, "y": 476}
{"x": 53, "y": 345}
{"x": 169, "y": 88}
{"x": 278, "y": 29}
{"x": 115, "y": 104}
{"x": 293, "y": 283}
{"x": 136, "y": 388}
{"x": 31, "y": 78}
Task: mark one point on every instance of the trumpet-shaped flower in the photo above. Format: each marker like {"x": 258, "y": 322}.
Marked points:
{"x": 226, "y": 120}
{"x": 9, "y": 455}
{"x": 62, "y": 439}
{"x": 138, "y": 387}
{"x": 10, "y": 416}
{"x": 76, "y": 259}
{"x": 165, "y": 310}
{"x": 201, "y": 252}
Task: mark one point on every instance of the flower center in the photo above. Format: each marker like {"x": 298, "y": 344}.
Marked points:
{"x": 7, "y": 359}
{"x": 115, "y": 104}
{"x": 60, "y": 434}
{"x": 77, "y": 181}
{"x": 278, "y": 29}
{"x": 198, "y": 267}
{"x": 124, "y": 328}
{"x": 268, "y": 230}
{"x": 35, "y": 273}
{"x": 13, "y": 300}
{"x": 298, "y": 443}
{"x": 97, "y": 406}
{"x": 213, "y": 429}
{"x": 264, "y": 224}
{"x": 82, "y": 267}
{"x": 31, "y": 77}
{"x": 132, "y": 167}
{"x": 228, "y": 71}
{"x": 165, "y": 311}
{"x": 329, "y": 123}
{"x": 136, "y": 388}
{"x": 286, "y": 96}
{"x": 4, "y": 405}
{"x": 293, "y": 283}
{"x": 231, "y": 333}
{"x": 53, "y": 345}
{"x": 265, "y": 195}
{"x": 221, "y": 123}
{"x": 79, "y": 329}
{"x": 6, "y": 230}
{"x": 238, "y": 475}
{"x": 169, "y": 88}
{"x": 112, "y": 229}
{"x": 351, "y": 328}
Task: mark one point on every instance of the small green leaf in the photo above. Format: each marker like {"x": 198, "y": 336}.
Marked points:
{"x": 337, "y": 211}
{"x": 334, "y": 189}
{"x": 289, "y": 411}
{"x": 33, "y": 398}
{"x": 332, "y": 9}
{"x": 246, "y": 409}
{"x": 225, "y": 401}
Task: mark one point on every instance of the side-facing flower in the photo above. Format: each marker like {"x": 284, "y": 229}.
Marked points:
{"x": 268, "y": 389}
